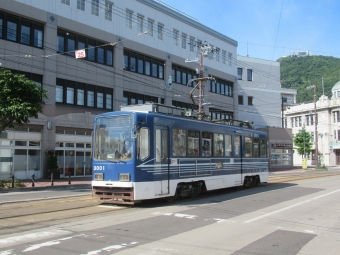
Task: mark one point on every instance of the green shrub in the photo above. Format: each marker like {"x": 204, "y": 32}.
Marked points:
{"x": 5, "y": 184}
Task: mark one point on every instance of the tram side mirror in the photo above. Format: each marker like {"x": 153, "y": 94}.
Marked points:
{"x": 134, "y": 132}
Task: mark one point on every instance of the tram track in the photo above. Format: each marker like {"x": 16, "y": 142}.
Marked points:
{"x": 280, "y": 178}
{"x": 44, "y": 211}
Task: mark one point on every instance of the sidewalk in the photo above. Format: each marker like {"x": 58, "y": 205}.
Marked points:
{"x": 62, "y": 183}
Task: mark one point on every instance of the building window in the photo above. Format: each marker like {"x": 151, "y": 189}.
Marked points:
{"x": 312, "y": 137}
{"x": 222, "y": 87}
{"x": 229, "y": 58}
{"x": 239, "y": 73}
{"x": 218, "y": 56}
{"x": 307, "y": 120}
{"x": 108, "y": 10}
{"x": 129, "y": 19}
{"x": 224, "y": 57}
{"x": 21, "y": 30}
{"x": 67, "y": 2}
{"x": 1, "y": 24}
{"x": 81, "y": 5}
{"x": 90, "y": 98}
{"x": 67, "y": 43}
{"x": 70, "y": 96}
{"x": 59, "y": 94}
{"x": 183, "y": 75}
{"x": 250, "y": 100}
{"x": 220, "y": 114}
{"x": 150, "y": 27}
{"x": 249, "y": 74}
{"x": 100, "y": 100}
{"x": 240, "y": 100}
{"x": 140, "y": 20}
{"x": 86, "y": 94}
{"x": 192, "y": 43}
{"x": 95, "y": 8}
{"x": 131, "y": 98}
{"x": 11, "y": 31}
{"x": 142, "y": 64}
{"x": 176, "y": 32}
{"x": 336, "y": 116}
{"x": 108, "y": 101}
{"x": 184, "y": 41}
{"x": 160, "y": 31}
{"x": 80, "y": 97}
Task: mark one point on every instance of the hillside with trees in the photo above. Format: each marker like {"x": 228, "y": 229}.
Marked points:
{"x": 300, "y": 72}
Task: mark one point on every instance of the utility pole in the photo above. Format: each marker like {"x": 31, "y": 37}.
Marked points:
{"x": 282, "y": 112}
{"x": 316, "y": 131}
{"x": 204, "y": 51}
{"x": 316, "y": 127}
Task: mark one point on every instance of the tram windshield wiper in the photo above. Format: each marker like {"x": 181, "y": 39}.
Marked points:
{"x": 121, "y": 161}
{"x": 114, "y": 161}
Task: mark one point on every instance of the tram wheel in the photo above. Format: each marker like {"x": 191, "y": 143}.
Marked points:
{"x": 170, "y": 199}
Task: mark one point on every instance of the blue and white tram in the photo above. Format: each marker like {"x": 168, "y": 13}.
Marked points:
{"x": 140, "y": 154}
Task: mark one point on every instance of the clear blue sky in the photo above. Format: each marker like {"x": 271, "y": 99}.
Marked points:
{"x": 312, "y": 25}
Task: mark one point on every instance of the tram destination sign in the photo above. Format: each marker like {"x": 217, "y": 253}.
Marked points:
{"x": 120, "y": 121}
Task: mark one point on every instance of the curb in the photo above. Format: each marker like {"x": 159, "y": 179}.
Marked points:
{"x": 24, "y": 189}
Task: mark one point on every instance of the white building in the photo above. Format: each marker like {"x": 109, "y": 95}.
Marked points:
{"x": 328, "y": 127}
{"x": 261, "y": 99}
{"x": 131, "y": 48}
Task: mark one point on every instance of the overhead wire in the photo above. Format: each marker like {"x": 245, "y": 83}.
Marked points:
{"x": 169, "y": 35}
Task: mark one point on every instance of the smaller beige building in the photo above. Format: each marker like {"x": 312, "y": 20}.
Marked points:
{"x": 327, "y": 124}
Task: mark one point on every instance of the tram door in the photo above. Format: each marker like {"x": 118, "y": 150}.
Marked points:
{"x": 162, "y": 161}
{"x": 238, "y": 157}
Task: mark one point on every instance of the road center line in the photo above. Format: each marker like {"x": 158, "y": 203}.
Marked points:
{"x": 289, "y": 207}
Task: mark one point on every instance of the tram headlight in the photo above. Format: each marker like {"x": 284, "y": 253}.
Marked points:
{"x": 124, "y": 177}
{"x": 99, "y": 177}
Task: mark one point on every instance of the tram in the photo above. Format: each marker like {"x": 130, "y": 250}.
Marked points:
{"x": 152, "y": 151}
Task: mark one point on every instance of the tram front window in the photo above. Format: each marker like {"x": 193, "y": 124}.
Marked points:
{"x": 113, "y": 139}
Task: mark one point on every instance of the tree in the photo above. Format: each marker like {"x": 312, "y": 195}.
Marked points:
{"x": 302, "y": 141}
{"x": 20, "y": 99}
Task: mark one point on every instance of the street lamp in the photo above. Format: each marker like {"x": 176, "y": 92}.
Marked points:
{"x": 316, "y": 128}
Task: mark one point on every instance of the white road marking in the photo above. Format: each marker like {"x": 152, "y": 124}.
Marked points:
{"x": 289, "y": 207}
{"x": 309, "y": 231}
{"x": 31, "y": 237}
{"x": 110, "y": 248}
{"x": 8, "y": 252}
{"x": 49, "y": 243}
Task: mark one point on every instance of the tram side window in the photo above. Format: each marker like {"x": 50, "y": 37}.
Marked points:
{"x": 218, "y": 145}
{"x": 193, "y": 143}
{"x": 237, "y": 146}
{"x": 206, "y": 144}
{"x": 227, "y": 146}
{"x": 263, "y": 148}
{"x": 179, "y": 142}
{"x": 143, "y": 143}
{"x": 248, "y": 147}
{"x": 256, "y": 149}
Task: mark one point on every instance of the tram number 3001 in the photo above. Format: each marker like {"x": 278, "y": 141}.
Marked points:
{"x": 99, "y": 168}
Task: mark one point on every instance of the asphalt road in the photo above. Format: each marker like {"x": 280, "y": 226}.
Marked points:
{"x": 289, "y": 218}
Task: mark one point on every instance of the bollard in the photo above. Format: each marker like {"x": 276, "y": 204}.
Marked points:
{"x": 33, "y": 176}
{"x": 51, "y": 179}
{"x": 69, "y": 177}
{"x": 12, "y": 180}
